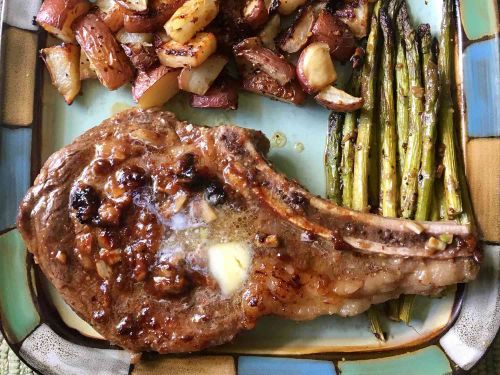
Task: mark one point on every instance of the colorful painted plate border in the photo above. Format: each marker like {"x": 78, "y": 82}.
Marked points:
{"x": 23, "y": 315}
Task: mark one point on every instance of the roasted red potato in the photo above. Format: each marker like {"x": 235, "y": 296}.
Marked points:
{"x": 198, "y": 80}
{"x": 87, "y": 71}
{"x": 287, "y": 7}
{"x": 296, "y": 36}
{"x": 158, "y": 13}
{"x": 63, "y": 63}
{"x": 160, "y": 37}
{"x": 255, "y": 13}
{"x": 155, "y": 87}
{"x": 263, "y": 84}
{"x": 338, "y": 100}
{"x": 354, "y": 13}
{"x": 139, "y": 49}
{"x": 111, "y": 13}
{"x": 142, "y": 55}
{"x": 319, "y": 6}
{"x": 223, "y": 94}
{"x": 357, "y": 58}
{"x": 329, "y": 29}
{"x": 270, "y": 31}
{"x": 315, "y": 68}
{"x": 192, "y": 54}
{"x": 251, "y": 53}
{"x": 134, "y": 5}
{"x": 57, "y": 16}
{"x": 111, "y": 65}
{"x": 125, "y": 37}
{"x": 191, "y": 17}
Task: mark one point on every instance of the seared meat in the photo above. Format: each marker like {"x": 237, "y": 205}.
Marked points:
{"x": 123, "y": 221}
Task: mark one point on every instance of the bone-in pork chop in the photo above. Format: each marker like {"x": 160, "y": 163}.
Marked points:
{"x": 171, "y": 237}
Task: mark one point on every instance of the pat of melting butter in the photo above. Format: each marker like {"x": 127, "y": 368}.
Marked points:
{"x": 229, "y": 263}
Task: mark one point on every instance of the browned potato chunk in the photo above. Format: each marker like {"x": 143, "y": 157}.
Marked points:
{"x": 270, "y": 31}
{"x": 223, "y": 94}
{"x": 57, "y": 16}
{"x": 63, "y": 63}
{"x": 142, "y": 55}
{"x": 338, "y": 100}
{"x": 158, "y": 13}
{"x": 155, "y": 87}
{"x": 190, "y": 18}
{"x": 192, "y": 54}
{"x": 315, "y": 68}
{"x": 336, "y": 34}
{"x": 87, "y": 71}
{"x": 263, "y": 84}
{"x": 295, "y": 37}
{"x": 251, "y": 53}
{"x": 160, "y": 38}
{"x": 287, "y": 7}
{"x": 134, "y": 5}
{"x": 355, "y": 15}
{"x": 111, "y": 65}
{"x": 255, "y": 13}
{"x": 111, "y": 13}
{"x": 198, "y": 80}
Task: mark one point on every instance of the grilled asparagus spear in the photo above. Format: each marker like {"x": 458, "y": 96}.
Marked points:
{"x": 388, "y": 174}
{"x": 348, "y": 144}
{"x": 332, "y": 157}
{"x": 411, "y": 164}
{"x": 428, "y": 166}
{"x": 406, "y": 304}
{"x": 375, "y": 327}
{"x": 447, "y": 136}
{"x": 402, "y": 103}
{"x": 364, "y": 137}
{"x": 402, "y": 89}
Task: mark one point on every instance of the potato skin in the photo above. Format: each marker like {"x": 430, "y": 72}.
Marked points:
{"x": 355, "y": 14}
{"x": 134, "y": 5}
{"x": 223, "y": 94}
{"x": 145, "y": 80}
{"x": 112, "y": 16}
{"x": 159, "y": 12}
{"x": 294, "y": 38}
{"x": 338, "y": 100}
{"x": 315, "y": 68}
{"x": 252, "y": 55}
{"x": 142, "y": 56}
{"x": 57, "y": 16}
{"x": 255, "y": 13}
{"x": 111, "y": 65}
{"x": 263, "y": 84}
{"x": 336, "y": 34}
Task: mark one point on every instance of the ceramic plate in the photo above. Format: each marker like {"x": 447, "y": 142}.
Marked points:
{"x": 446, "y": 335}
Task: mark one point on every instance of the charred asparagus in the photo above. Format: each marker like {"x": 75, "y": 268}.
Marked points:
{"x": 428, "y": 165}
{"x": 388, "y": 175}
{"x": 411, "y": 164}
{"x": 332, "y": 157}
{"x": 364, "y": 137}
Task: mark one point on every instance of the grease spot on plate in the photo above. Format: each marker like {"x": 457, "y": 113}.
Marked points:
{"x": 298, "y": 147}
{"x": 278, "y": 140}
